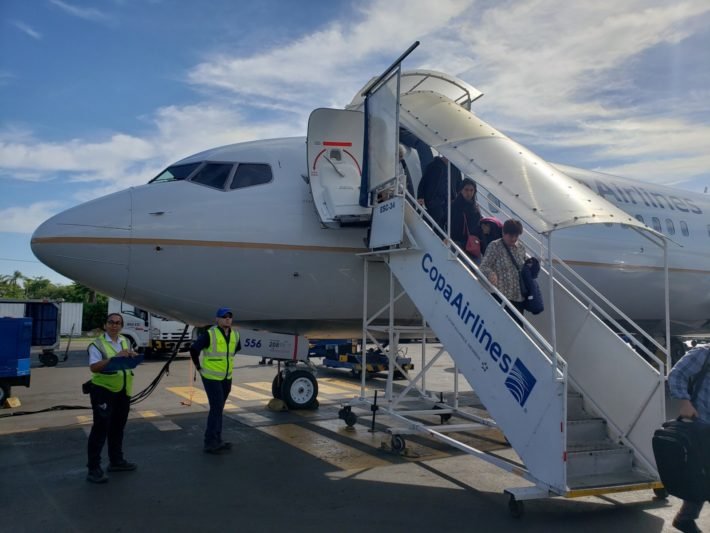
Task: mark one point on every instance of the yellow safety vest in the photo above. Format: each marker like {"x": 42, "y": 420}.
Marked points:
{"x": 115, "y": 380}
{"x": 217, "y": 360}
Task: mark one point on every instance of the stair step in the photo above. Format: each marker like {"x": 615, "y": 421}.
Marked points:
{"x": 595, "y": 462}
{"x": 609, "y": 480}
{"x": 575, "y": 406}
{"x": 585, "y": 430}
{"x": 593, "y": 446}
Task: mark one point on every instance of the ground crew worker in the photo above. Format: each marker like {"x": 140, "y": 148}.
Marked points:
{"x": 213, "y": 355}
{"x": 110, "y": 359}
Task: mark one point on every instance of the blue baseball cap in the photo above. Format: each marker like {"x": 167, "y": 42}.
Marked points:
{"x": 222, "y": 311}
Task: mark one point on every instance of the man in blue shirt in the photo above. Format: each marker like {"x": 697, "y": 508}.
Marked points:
{"x": 678, "y": 380}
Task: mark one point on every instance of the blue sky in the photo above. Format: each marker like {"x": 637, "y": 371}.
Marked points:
{"x": 100, "y": 96}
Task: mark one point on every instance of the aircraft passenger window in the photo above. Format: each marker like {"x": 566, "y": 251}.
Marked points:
{"x": 670, "y": 226}
{"x": 249, "y": 174}
{"x": 213, "y": 175}
{"x": 657, "y": 224}
{"x": 640, "y": 219}
{"x": 684, "y": 228}
{"x": 176, "y": 173}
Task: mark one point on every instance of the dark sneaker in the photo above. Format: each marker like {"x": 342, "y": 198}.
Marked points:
{"x": 214, "y": 450}
{"x": 96, "y": 475}
{"x": 686, "y": 526}
{"x": 224, "y": 446}
{"x": 123, "y": 466}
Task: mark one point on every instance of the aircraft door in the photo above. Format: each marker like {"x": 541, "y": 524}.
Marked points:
{"x": 335, "y": 149}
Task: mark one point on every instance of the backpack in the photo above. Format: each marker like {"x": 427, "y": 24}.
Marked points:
{"x": 529, "y": 287}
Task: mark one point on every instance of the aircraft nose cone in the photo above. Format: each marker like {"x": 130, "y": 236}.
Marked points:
{"x": 89, "y": 243}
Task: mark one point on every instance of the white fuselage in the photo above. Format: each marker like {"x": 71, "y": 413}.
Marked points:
{"x": 183, "y": 249}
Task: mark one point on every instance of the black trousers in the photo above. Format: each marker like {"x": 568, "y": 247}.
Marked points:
{"x": 110, "y": 416}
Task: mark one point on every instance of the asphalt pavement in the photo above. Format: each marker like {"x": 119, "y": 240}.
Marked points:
{"x": 288, "y": 471}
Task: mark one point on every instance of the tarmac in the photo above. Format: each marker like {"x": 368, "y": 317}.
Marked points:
{"x": 288, "y": 471}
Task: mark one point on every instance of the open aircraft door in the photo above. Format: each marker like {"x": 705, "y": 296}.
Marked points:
{"x": 335, "y": 150}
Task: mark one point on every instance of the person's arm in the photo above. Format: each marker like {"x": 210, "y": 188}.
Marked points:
{"x": 202, "y": 342}
{"x": 96, "y": 361}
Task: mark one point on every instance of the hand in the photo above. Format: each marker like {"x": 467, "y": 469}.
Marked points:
{"x": 493, "y": 278}
{"x": 420, "y": 201}
{"x": 687, "y": 410}
{"x": 126, "y": 353}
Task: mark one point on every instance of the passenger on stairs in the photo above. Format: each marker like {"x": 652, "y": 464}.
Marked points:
{"x": 499, "y": 267}
{"x": 491, "y": 230}
{"x": 465, "y": 216}
{"x": 685, "y": 370}
{"x": 404, "y": 169}
{"x": 432, "y": 192}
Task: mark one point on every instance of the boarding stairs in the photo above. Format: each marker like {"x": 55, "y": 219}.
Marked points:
{"x": 576, "y": 402}
{"x": 580, "y": 419}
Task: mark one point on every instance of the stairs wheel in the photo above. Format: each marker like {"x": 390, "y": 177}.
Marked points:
{"x": 445, "y": 417}
{"x": 398, "y": 443}
{"x": 661, "y": 494}
{"x": 48, "y": 358}
{"x": 515, "y": 507}
{"x": 350, "y": 419}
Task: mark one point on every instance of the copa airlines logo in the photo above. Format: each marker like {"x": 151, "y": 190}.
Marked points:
{"x": 519, "y": 380}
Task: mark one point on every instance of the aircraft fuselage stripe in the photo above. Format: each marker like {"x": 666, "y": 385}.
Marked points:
{"x": 303, "y": 248}
{"x": 200, "y": 243}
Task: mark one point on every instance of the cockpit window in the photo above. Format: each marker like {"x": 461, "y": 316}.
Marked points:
{"x": 213, "y": 175}
{"x": 249, "y": 174}
{"x": 176, "y": 173}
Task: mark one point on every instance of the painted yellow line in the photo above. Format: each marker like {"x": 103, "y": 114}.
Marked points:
{"x": 346, "y": 385}
{"x": 335, "y": 453}
{"x": 149, "y": 414}
{"x": 166, "y": 425}
{"x": 190, "y": 393}
{"x": 242, "y": 393}
{"x": 85, "y": 419}
{"x": 197, "y": 396}
{"x": 329, "y": 389}
{"x": 596, "y": 491}
{"x": 322, "y": 387}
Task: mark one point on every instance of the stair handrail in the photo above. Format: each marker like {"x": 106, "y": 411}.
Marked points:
{"x": 529, "y": 329}
{"x": 579, "y": 293}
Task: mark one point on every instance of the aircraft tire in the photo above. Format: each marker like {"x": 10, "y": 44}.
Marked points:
{"x": 299, "y": 390}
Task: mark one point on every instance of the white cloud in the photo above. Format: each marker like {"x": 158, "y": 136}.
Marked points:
{"x": 25, "y": 219}
{"x": 25, "y": 28}
{"x": 546, "y": 66}
{"x": 86, "y": 13}
{"x": 338, "y": 56}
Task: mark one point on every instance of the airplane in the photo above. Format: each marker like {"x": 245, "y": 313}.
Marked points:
{"x": 251, "y": 226}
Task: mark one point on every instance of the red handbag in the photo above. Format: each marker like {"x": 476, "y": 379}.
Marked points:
{"x": 473, "y": 244}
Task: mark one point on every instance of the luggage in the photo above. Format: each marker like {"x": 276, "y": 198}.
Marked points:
{"x": 682, "y": 452}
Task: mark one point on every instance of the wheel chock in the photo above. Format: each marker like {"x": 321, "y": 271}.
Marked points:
{"x": 276, "y": 405}
{"x": 12, "y": 402}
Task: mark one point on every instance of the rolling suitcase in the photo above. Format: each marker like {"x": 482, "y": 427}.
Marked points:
{"x": 682, "y": 452}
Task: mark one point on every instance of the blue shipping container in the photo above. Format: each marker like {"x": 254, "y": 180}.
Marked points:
{"x": 45, "y": 322}
{"x": 15, "y": 345}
